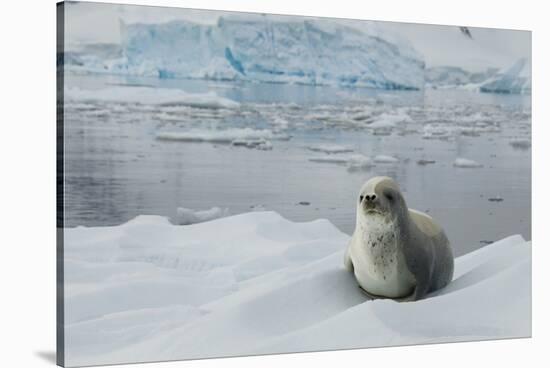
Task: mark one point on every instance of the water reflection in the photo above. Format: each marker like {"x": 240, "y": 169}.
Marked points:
{"x": 116, "y": 169}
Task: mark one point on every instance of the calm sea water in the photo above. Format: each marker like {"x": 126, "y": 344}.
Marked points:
{"x": 116, "y": 169}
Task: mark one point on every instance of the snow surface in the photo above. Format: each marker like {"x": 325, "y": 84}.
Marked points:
{"x": 256, "y": 283}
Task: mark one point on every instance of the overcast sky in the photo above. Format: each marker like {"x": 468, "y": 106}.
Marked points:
{"x": 439, "y": 45}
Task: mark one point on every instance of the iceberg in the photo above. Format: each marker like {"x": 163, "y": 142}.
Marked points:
{"x": 515, "y": 79}
{"x": 270, "y": 49}
{"x": 257, "y": 283}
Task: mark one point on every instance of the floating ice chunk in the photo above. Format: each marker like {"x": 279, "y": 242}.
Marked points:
{"x": 424, "y": 162}
{"x": 339, "y": 159}
{"x": 186, "y": 216}
{"x": 386, "y": 120}
{"x": 436, "y": 131}
{"x": 260, "y": 144}
{"x": 258, "y": 208}
{"x": 466, "y": 163}
{"x": 365, "y": 116}
{"x": 521, "y": 144}
{"x": 330, "y": 148}
{"x": 385, "y": 159}
{"x": 475, "y": 131}
{"x": 330, "y": 159}
{"x": 280, "y": 123}
{"x": 265, "y": 146}
{"x": 220, "y": 136}
{"x": 360, "y": 163}
{"x": 152, "y": 96}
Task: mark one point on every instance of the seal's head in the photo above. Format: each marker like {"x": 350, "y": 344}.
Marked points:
{"x": 380, "y": 196}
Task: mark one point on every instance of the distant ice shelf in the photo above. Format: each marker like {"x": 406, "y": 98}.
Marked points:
{"x": 257, "y": 283}
{"x": 515, "y": 79}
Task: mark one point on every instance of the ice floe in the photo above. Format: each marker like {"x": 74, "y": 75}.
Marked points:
{"x": 260, "y": 144}
{"x": 466, "y": 163}
{"x": 385, "y": 159}
{"x": 521, "y": 144}
{"x": 257, "y": 283}
{"x": 149, "y": 95}
{"x": 220, "y": 136}
{"x": 330, "y": 148}
{"x": 340, "y": 159}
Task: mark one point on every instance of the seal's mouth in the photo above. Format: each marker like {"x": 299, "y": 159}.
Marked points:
{"x": 372, "y": 211}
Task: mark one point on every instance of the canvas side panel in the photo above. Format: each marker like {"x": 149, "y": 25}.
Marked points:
{"x": 60, "y": 300}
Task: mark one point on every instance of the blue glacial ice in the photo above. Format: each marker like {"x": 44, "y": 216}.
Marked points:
{"x": 267, "y": 49}
{"x": 515, "y": 79}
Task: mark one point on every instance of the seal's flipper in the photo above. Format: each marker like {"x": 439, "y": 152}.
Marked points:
{"x": 409, "y": 298}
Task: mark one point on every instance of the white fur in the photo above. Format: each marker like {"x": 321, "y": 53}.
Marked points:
{"x": 378, "y": 265}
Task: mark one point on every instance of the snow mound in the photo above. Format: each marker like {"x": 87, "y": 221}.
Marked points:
{"x": 242, "y": 136}
{"x": 269, "y": 49}
{"x": 153, "y": 96}
{"x": 187, "y": 216}
{"x": 257, "y": 283}
{"x": 466, "y": 163}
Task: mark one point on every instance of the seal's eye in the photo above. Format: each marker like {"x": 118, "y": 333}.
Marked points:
{"x": 361, "y": 199}
{"x": 389, "y": 196}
